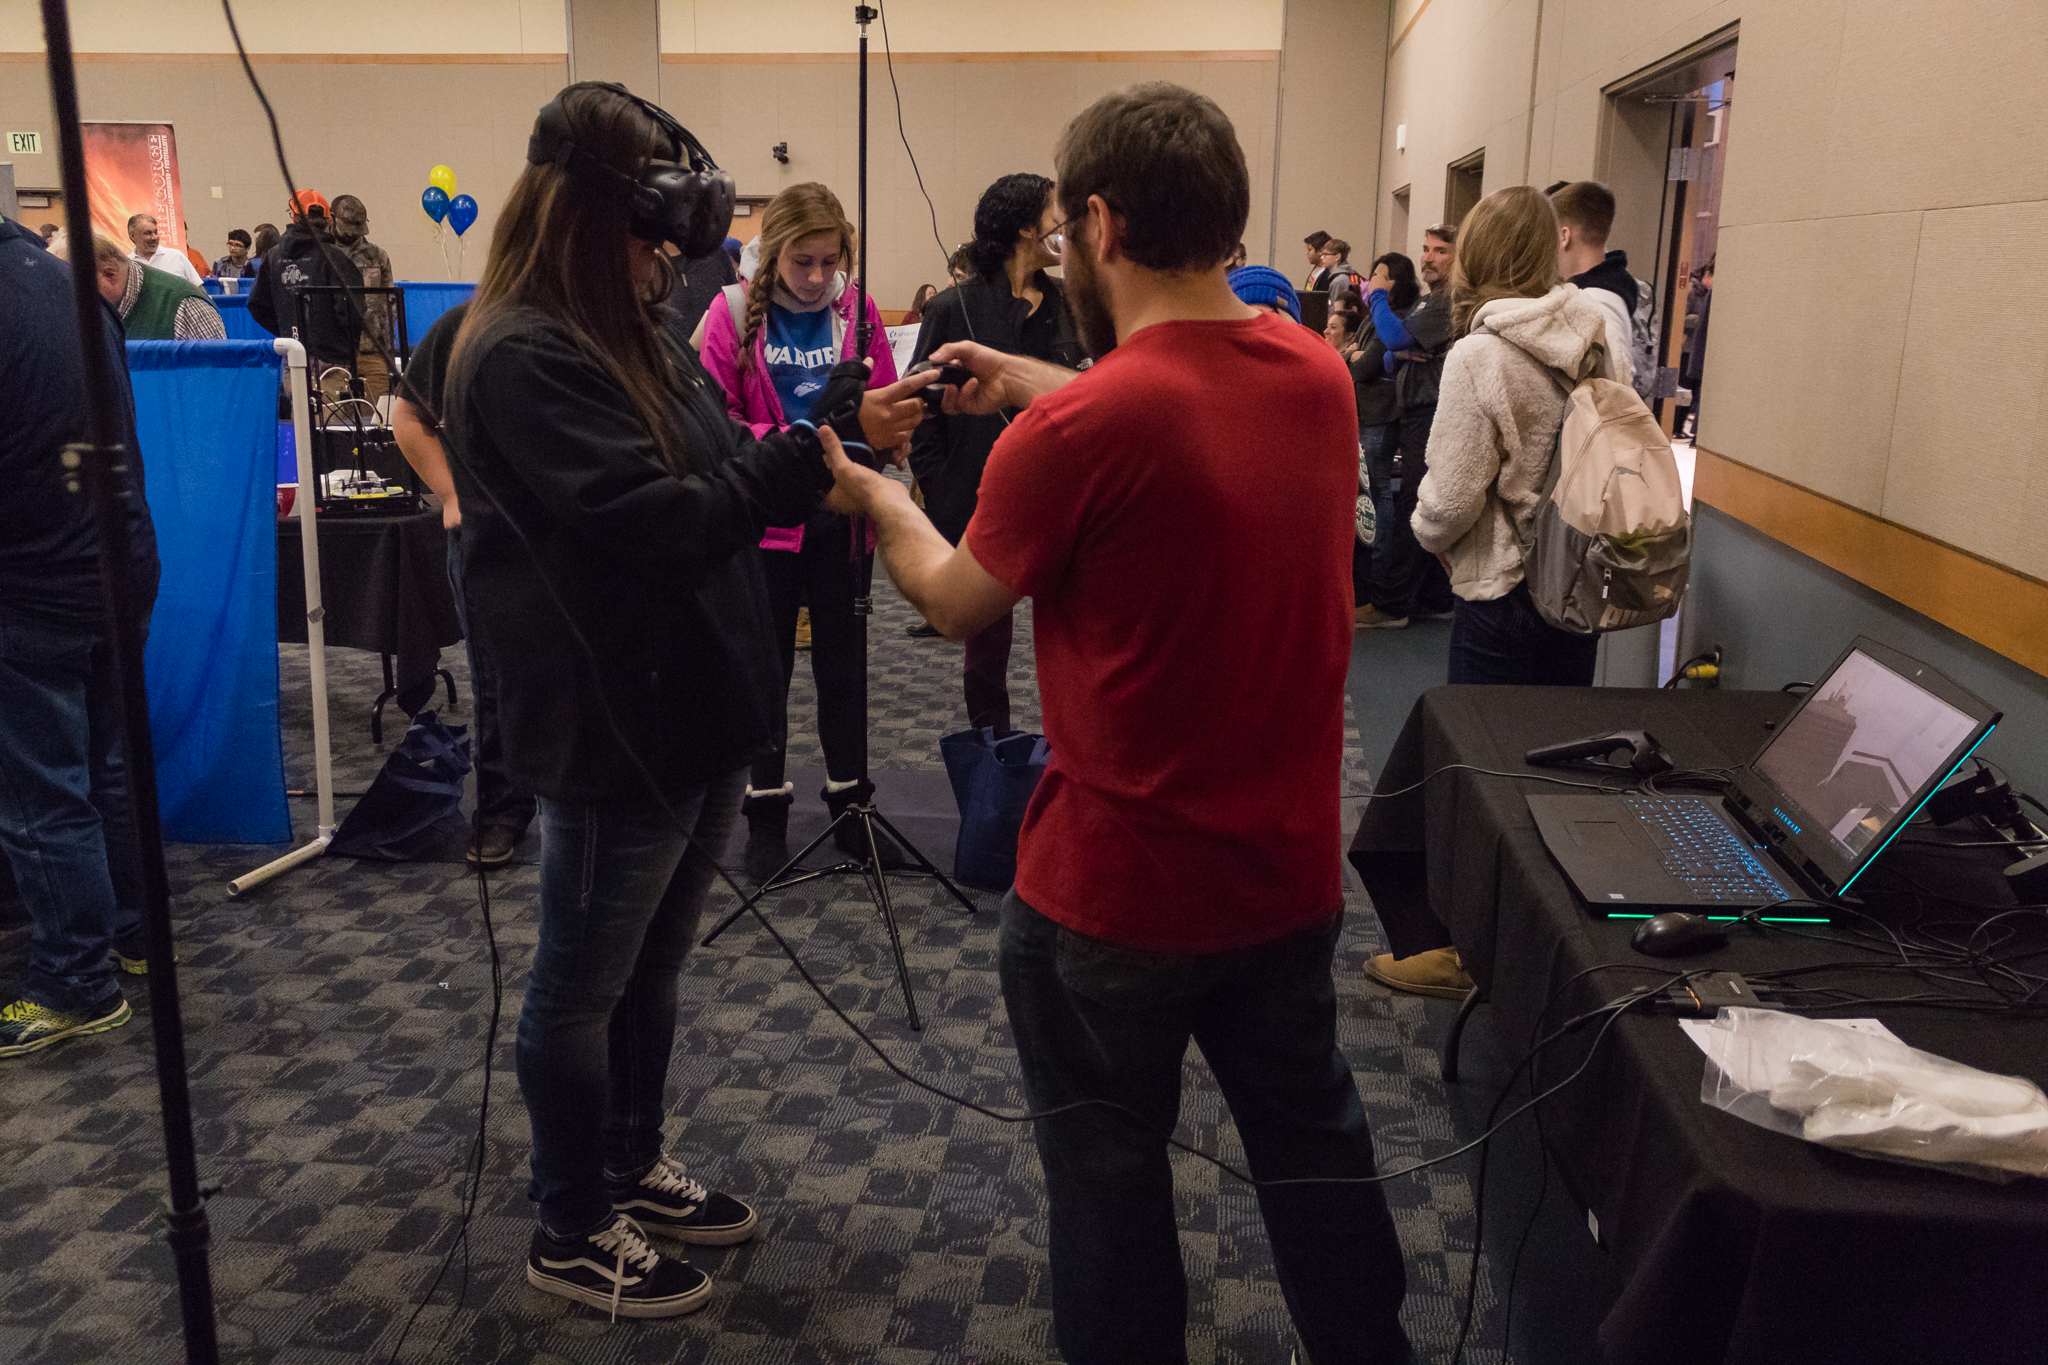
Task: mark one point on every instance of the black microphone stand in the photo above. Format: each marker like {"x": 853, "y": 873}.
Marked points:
{"x": 100, "y": 468}
{"x": 861, "y": 814}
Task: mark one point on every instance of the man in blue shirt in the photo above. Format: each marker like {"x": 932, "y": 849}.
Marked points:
{"x": 65, "y": 823}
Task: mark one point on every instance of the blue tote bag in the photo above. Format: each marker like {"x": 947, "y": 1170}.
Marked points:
{"x": 993, "y": 777}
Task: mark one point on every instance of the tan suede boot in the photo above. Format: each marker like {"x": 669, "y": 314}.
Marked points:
{"x": 1437, "y": 972}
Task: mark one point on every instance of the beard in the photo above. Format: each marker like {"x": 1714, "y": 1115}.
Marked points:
{"x": 1089, "y": 302}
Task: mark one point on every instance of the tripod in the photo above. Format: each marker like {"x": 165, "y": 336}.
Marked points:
{"x": 861, "y": 815}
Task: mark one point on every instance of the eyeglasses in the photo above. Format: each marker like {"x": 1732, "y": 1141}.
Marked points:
{"x": 1056, "y": 240}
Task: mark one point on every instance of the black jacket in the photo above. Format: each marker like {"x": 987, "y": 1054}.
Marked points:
{"x": 333, "y": 321}
{"x": 1429, "y": 325}
{"x": 948, "y": 453}
{"x": 49, "y": 542}
{"x": 1612, "y": 275}
{"x": 563, "y": 496}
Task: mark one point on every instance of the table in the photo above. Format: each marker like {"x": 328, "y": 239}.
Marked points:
{"x": 384, "y": 585}
{"x": 1736, "y": 1244}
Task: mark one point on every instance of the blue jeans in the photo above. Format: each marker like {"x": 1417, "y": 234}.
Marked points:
{"x": 619, "y": 903}
{"x": 64, "y": 817}
{"x": 1094, "y": 1020}
{"x": 1508, "y": 641}
{"x": 498, "y": 801}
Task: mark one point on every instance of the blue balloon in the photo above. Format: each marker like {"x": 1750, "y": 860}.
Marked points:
{"x": 435, "y": 201}
{"x": 461, "y": 213}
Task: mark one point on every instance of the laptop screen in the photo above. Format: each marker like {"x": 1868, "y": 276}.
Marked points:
{"x": 1861, "y": 751}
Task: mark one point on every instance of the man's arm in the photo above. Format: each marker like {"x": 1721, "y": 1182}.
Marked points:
{"x": 422, "y": 450}
{"x": 1001, "y": 380}
{"x": 945, "y": 583}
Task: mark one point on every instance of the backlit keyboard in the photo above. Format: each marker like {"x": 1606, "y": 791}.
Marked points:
{"x": 1702, "y": 854}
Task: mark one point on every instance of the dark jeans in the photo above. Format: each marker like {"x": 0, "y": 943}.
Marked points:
{"x": 498, "y": 801}
{"x": 64, "y": 817}
{"x": 1507, "y": 641}
{"x": 821, "y": 576}
{"x": 1407, "y": 580}
{"x": 1372, "y": 442}
{"x": 986, "y": 674}
{"x": 619, "y": 903}
{"x": 1093, "y": 1020}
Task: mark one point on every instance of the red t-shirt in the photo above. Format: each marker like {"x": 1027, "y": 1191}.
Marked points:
{"x": 1182, "y": 517}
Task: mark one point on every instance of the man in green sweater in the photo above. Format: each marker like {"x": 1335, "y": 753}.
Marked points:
{"x": 154, "y": 306}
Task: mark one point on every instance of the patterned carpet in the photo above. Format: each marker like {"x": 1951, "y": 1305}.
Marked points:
{"x": 335, "y": 1019}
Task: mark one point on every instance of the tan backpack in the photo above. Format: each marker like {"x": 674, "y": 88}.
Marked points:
{"x": 1611, "y": 546}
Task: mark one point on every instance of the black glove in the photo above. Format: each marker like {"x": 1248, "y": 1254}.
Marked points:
{"x": 838, "y": 407}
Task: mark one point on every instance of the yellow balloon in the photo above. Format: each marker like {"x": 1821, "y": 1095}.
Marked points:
{"x": 444, "y": 177}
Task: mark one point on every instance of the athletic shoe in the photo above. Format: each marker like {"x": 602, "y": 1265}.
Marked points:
{"x": 668, "y": 1201}
{"x": 923, "y": 630}
{"x": 1438, "y": 972}
{"x": 131, "y": 955}
{"x": 26, "y": 1026}
{"x": 1369, "y": 617}
{"x": 614, "y": 1268}
{"x": 494, "y": 844}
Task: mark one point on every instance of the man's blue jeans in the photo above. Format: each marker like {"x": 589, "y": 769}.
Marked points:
{"x": 498, "y": 801}
{"x": 1096, "y": 1021}
{"x": 64, "y": 816}
{"x": 619, "y": 903}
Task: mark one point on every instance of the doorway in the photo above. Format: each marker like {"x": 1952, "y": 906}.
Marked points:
{"x": 1464, "y": 183}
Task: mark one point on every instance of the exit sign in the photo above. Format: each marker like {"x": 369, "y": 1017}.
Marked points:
{"x": 25, "y": 144}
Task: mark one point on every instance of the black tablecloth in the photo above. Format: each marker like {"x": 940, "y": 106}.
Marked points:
{"x": 384, "y": 586}
{"x": 1737, "y": 1244}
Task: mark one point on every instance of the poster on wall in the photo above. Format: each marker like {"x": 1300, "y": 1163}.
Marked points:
{"x": 132, "y": 168}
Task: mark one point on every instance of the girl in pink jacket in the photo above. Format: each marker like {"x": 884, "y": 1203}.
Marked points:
{"x": 772, "y": 344}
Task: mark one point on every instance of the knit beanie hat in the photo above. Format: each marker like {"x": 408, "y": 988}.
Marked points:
{"x": 1263, "y": 285}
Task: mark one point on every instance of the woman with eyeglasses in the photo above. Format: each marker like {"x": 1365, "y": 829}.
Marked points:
{"x": 1011, "y": 303}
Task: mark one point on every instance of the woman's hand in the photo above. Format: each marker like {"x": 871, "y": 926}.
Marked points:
{"x": 888, "y": 415}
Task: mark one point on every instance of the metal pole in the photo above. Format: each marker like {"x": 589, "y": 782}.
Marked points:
{"x": 103, "y": 465}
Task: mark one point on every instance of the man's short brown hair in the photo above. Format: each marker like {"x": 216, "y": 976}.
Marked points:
{"x": 1167, "y": 161}
{"x": 1316, "y": 240}
{"x": 1588, "y": 206}
{"x": 1447, "y": 233}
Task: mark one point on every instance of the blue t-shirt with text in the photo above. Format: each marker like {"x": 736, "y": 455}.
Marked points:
{"x": 800, "y": 357}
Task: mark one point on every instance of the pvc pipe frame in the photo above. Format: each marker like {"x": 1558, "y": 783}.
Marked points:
{"x": 303, "y": 505}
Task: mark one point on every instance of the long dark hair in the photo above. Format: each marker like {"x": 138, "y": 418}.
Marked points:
{"x": 1007, "y": 207}
{"x": 1406, "y": 288}
{"x": 560, "y": 246}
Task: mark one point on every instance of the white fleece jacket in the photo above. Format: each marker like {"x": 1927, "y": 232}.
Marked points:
{"x": 1497, "y": 416}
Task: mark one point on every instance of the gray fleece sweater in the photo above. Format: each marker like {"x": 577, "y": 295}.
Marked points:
{"x": 1497, "y": 416}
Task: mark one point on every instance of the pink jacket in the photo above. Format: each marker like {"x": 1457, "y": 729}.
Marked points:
{"x": 751, "y": 397}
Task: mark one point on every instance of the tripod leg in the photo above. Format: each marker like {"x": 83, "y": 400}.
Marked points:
{"x": 769, "y": 885}
{"x": 878, "y": 886}
{"x": 929, "y": 865}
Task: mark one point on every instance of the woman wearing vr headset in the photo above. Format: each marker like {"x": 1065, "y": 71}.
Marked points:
{"x": 770, "y": 343}
{"x": 610, "y": 513}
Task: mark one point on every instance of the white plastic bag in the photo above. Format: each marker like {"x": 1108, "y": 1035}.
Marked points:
{"x": 1870, "y": 1093}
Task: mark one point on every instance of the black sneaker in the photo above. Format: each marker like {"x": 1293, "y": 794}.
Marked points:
{"x": 131, "y": 955}
{"x": 26, "y": 1026}
{"x": 614, "y": 1268}
{"x": 668, "y": 1201}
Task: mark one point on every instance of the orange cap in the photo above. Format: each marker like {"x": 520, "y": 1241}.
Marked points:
{"x": 305, "y": 201}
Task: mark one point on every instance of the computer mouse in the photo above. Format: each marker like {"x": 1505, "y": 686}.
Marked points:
{"x": 1678, "y": 934}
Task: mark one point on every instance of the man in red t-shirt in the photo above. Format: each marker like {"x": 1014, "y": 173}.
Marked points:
{"x": 1181, "y": 516}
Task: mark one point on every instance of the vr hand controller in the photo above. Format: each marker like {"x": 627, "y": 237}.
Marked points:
{"x": 838, "y": 407}
{"x": 933, "y": 393}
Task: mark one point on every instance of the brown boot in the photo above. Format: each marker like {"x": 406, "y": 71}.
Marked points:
{"x": 1437, "y": 972}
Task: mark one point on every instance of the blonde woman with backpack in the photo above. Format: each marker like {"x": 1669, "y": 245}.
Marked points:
{"x": 1497, "y": 418}
{"x": 770, "y": 343}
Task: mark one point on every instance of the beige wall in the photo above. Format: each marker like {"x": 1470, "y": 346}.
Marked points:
{"x": 1333, "y": 71}
{"x": 1879, "y": 331}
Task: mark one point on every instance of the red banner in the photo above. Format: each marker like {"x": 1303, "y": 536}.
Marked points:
{"x": 132, "y": 168}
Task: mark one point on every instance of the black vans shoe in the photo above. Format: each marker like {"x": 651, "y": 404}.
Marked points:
{"x": 615, "y": 1269}
{"x": 668, "y": 1201}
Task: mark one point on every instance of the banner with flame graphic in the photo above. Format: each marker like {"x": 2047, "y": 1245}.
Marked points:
{"x": 132, "y": 168}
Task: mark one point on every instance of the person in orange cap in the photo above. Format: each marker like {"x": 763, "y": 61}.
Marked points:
{"x": 306, "y": 256}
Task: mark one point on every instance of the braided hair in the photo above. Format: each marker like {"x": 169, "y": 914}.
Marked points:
{"x": 798, "y": 212}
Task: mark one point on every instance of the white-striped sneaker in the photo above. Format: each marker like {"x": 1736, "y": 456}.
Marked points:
{"x": 668, "y": 1201}
{"x": 616, "y": 1269}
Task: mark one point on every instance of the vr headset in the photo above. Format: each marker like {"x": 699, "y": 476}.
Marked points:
{"x": 687, "y": 204}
